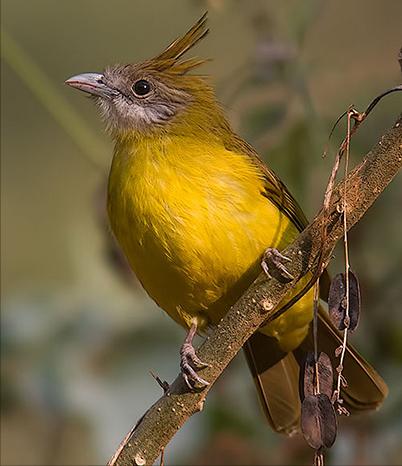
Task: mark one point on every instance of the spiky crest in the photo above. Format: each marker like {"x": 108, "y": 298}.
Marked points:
{"x": 170, "y": 57}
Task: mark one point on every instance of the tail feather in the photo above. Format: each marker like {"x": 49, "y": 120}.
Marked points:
{"x": 276, "y": 376}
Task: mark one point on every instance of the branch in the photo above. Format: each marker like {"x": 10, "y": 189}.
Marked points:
{"x": 365, "y": 183}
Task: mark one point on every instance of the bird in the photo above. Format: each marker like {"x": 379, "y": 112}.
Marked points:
{"x": 197, "y": 212}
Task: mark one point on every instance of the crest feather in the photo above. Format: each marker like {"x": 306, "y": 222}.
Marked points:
{"x": 169, "y": 58}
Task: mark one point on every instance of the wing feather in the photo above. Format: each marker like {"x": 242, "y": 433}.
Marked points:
{"x": 275, "y": 190}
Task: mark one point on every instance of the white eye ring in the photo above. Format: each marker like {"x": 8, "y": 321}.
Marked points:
{"x": 141, "y": 88}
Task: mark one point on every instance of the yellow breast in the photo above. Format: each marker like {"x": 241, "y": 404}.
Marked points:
{"x": 193, "y": 223}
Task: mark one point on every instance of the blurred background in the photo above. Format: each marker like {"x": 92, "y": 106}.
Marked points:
{"x": 79, "y": 335}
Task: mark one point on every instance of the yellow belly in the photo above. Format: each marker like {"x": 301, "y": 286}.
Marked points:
{"x": 193, "y": 224}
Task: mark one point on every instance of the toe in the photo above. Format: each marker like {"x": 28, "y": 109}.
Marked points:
{"x": 272, "y": 264}
{"x": 196, "y": 361}
{"x": 191, "y": 377}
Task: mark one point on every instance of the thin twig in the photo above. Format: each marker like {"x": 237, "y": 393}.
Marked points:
{"x": 338, "y": 120}
{"x": 162, "y": 383}
{"x": 315, "y": 339}
{"x": 342, "y": 409}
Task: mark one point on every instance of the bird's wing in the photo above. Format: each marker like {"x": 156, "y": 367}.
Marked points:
{"x": 279, "y": 195}
{"x": 275, "y": 190}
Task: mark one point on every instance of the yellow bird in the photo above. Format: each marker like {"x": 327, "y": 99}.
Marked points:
{"x": 194, "y": 208}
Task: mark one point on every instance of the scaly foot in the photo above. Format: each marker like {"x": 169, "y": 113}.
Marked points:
{"x": 189, "y": 362}
{"x": 272, "y": 264}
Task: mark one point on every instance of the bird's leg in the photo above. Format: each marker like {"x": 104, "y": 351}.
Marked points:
{"x": 189, "y": 361}
{"x": 272, "y": 264}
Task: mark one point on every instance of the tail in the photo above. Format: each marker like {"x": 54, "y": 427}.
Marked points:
{"x": 276, "y": 375}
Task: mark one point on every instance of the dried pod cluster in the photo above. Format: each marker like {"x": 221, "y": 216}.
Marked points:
{"x": 318, "y": 418}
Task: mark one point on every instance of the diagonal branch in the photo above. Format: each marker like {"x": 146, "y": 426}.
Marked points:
{"x": 163, "y": 419}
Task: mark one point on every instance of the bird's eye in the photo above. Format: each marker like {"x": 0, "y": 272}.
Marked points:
{"x": 141, "y": 87}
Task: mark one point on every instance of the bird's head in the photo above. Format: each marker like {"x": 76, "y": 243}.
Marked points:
{"x": 156, "y": 95}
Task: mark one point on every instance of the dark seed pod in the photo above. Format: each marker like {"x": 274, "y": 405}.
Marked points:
{"x": 337, "y": 301}
{"x": 325, "y": 375}
{"x": 354, "y": 301}
{"x": 318, "y": 421}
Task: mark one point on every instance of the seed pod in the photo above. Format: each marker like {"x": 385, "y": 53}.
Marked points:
{"x": 337, "y": 301}
{"x": 336, "y": 298}
{"x": 324, "y": 373}
{"x": 318, "y": 421}
{"x": 354, "y": 301}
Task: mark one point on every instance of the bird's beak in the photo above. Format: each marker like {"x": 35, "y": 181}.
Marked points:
{"x": 92, "y": 83}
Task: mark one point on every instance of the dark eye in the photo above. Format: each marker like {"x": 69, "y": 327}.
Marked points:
{"x": 141, "y": 87}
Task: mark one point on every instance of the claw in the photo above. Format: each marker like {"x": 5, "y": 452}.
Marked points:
{"x": 189, "y": 361}
{"x": 272, "y": 264}
{"x": 191, "y": 377}
{"x": 188, "y": 351}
